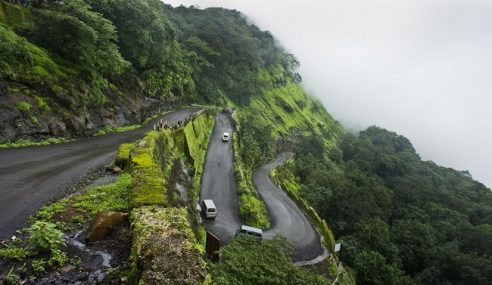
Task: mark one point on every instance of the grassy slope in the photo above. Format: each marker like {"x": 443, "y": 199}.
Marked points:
{"x": 288, "y": 106}
{"x": 287, "y": 109}
{"x": 283, "y": 109}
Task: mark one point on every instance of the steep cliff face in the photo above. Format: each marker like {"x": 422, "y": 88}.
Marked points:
{"x": 32, "y": 112}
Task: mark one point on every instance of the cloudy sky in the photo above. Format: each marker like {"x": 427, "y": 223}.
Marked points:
{"x": 422, "y": 68}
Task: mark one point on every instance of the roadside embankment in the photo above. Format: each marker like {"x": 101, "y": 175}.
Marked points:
{"x": 166, "y": 167}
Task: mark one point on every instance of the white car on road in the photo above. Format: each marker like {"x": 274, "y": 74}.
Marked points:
{"x": 226, "y": 137}
{"x": 209, "y": 209}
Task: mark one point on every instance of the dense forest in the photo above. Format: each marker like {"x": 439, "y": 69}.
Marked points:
{"x": 400, "y": 220}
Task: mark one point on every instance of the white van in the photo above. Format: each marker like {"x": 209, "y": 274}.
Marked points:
{"x": 247, "y": 230}
{"x": 209, "y": 210}
{"x": 225, "y": 137}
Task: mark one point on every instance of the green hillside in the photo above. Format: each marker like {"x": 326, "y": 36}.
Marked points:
{"x": 401, "y": 220}
{"x": 71, "y": 68}
{"x": 14, "y": 14}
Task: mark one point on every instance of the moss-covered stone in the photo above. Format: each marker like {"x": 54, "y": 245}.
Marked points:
{"x": 141, "y": 157}
{"x": 123, "y": 155}
{"x": 148, "y": 185}
{"x": 197, "y": 134}
{"x": 164, "y": 250}
{"x": 152, "y": 161}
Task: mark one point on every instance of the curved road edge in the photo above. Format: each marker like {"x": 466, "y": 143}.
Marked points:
{"x": 287, "y": 218}
{"x": 31, "y": 177}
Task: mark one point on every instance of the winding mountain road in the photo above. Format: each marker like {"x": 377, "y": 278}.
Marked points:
{"x": 218, "y": 184}
{"x": 32, "y": 176}
{"x": 286, "y": 217}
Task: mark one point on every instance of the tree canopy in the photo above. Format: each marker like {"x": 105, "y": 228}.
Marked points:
{"x": 246, "y": 261}
{"x": 401, "y": 220}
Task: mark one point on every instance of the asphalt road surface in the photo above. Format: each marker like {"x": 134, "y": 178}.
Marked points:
{"x": 219, "y": 184}
{"x": 286, "y": 217}
{"x": 32, "y": 176}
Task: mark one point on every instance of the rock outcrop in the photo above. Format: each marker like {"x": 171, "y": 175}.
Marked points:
{"x": 105, "y": 223}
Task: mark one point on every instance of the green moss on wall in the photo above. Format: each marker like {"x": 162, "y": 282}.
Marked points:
{"x": 164, "y": 250}
{"x": 162, "y": 238}
{"x": 197, "y": 142}
{"x": 151, "y": 162}
{"x": 148, "y": 185}
{"x": 123, "y": 155}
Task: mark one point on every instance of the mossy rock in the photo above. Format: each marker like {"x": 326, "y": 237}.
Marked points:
{"x": 123, "y": 155}
{"x": 181, "y": 143}
{"x": 164, "y": 250}
{"x": 148, "y": 187}
{"x": 151, "y": 162}
{"x": 141, "y": 157}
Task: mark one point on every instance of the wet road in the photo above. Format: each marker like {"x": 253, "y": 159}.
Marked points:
{"x": 286, "y": 217}
{"x": 31, "y": 177}
{"x": 219, "y": 184}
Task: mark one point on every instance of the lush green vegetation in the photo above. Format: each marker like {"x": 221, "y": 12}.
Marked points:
{"x": 148, "y": 183}
{"x": 24, "y": 143}
{"x": 72, "y": 212}
{"x": 253, "y": 211}
{"x": 85, "y": 55}
{"x": 247, "y": 261}
{"x": 401, "y": 220}
{"x": 227, "y": 53}
{"x": 26, "y": 62}
{"x": 44, "y": 248}
{"x": 164, "y": 250}
{"x": 113, "y": 129}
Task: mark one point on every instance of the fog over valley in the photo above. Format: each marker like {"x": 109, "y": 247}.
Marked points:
{"x": 421, "y": 68}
